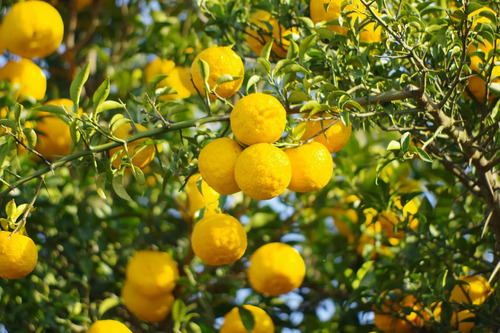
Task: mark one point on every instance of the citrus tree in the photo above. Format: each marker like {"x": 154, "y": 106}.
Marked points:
{"x": 249, "y": 166}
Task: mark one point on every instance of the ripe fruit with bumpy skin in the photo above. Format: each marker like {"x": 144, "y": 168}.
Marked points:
{"x": 208, "y": 198}
{"x": 152, "y": 309}
{"x": 178, "y": 78}
{"x": 152, "y": 272}
{"x": 18, "y": 255}
{"x": 312, "y": 167}
{"x": 216, "y": 164}
{"x": 258, "y": 118}
{"x": 257, "y": 38}
{"x": 221, "y": 61}
{"x": 54, "y": 137}
{"x": 263, "y": 171}
{"x": 108, "y": 326}
{"x": 141, "y": 154}
{"x": 276, "y": 269}
{"x": 32, "y": 29}
{"x": 219, "y": 239}
{"x": 233, "y": 323}
{"x": 476, "y": 291}
{"x": 334, "y": 138}
{"x": 25, "y": 77}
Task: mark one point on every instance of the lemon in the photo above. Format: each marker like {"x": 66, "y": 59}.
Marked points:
{"x": 233, "y": 323}
{"x": 18, "y": 255}
{"x": 25, "y": 77}
{"x": 221, "y": 61}
{"x": 258, "y": 35}
{"x": 178, "y": 78}
{"x": 388, "y": 220}
{"x": 54, "y": 137}
{"x": 148, "y": 308}
{"x": 108, "y": 326}
{"x": 258, "y": 118}
{"x": 219, "y": 239}
{"x": 476, "y": 291}
{"x": 32, "y": 29}
{"x": 335, "y": 137}
{"x": 463, "y": 319}
{"x": 368, "y": 34}
{"x": 312, "y": 167}
{"x": 389, "y": 318}
{"x": 276, "y": 269}
{"x": 152, "y": 272}
{"x": 216, "y": 163}
{"x": 141, "y": 154}
{"x": 263, "y": 171}
{"x": 2, "y": 44}
{"x": 208, "y": 198}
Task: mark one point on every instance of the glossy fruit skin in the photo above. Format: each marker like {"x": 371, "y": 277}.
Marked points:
{"x": 108, "y": 326}
{"x": 259, "y": 35}
{"x": 216, "y": 163}
{"x": 18, "y": 255}
{"x": 178, "y": 78}
{"x": 25, "y": 77}
{"x": 54, "y": 138}
{"x": 152, "y": 309}
{"x": 276, "y": 269}
{"x": 476, "y": 290}
{"x": 221, "y": 61}
{"x": 219, "y": 239}
{"x": 32, "y": 29}
{"x": 233, "y": 323}
{"x": 334, "y": 138}
{"x": 152, "y": 272}
{"x": 312, "y": 167}
{"x": 141, "y": 155}
{"x": 208, "y": 198}
{"x": 258, "y": 118}
{"x": 263, "y": 171}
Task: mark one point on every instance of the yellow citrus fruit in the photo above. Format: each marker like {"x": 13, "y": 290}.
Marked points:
{"x": 141, "y": 154}
{"x": 388, "y": 220}
{"x": 25, "y": 77}
{"x": 258, "y": 35}
{"x": 178, "y": 78}
{"x": 463, "y": 319}
{"x": 221, "y": 61}
{"x": 233, "y": 323}
{"x": 276, "y": 269}
{"x": 312, "y": 167}
{"x": 219, "y": 239}
{"x": 208, "y": 198}
{"x": 2, "y": 44}
{"x": 148, "y": 308}
{"x": 18, "y": 255}
{"x": 368, "y": 34}
{"x": 333, "y": 11}
{"x": 108, "y": 326}
{"x": 32, "y": 29}
{"x": 152, "y": 272}
{"x": 258, "y": 118}
{"x": 216, "y": 164}
{"x": 334, "y": 138}
{"x": 476, "y": 291}
{"x": 54, "y": 137}
{"x": 392, "y": 319}
{"x": 341, "y": 219}
{"x": 263, "y": 171}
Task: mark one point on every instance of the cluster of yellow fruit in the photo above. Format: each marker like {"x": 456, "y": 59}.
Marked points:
{"x": 18, "y": 255}
{"x": 31, "y": 29}
{"x": 150, "y": 279}
{"x": 391, "y": 319}
{"x": 330, "y": 10}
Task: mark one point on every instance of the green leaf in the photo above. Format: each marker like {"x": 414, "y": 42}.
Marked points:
{"x": 204, "y": 69}
{"x": 178, "y": 311}
{"x": 53, "y": 109}
{"x": 304, "y": 46}
{"x": 247, "y": 319}
{"x": 30, "y": 136}
{"x": 226, "y": 78}
{"x": 139, "y": 177}
{"x": 344, "y": 116}
{"x": 254, "y": 79}
{"x": 266, "y": 64}
{"x": 101, "y": 93}
{"x": 266, "y": 50}
{"x": 293, "y": 50}
{"x": 194, "y": 328}
{"x": 10, "y": 210}
{"x": 298, "y": 96}
{"x": 405, "y": 141}
{"x": 423, "y": 155}
{"x": 100, "y": 182}
{"x": 75, "y": 90}
{"x": 298, "y": 131}
{"x": 394, "y": 146}
{"x": 8, "y": 123}
{"x": 109, "y": 105}
{"x": 155, "y": 80}
{"x": 106, "y": 305}
{"x": 119, "y": 187}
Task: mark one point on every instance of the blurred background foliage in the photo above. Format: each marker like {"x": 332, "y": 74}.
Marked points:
{"x": 86, "y": 233}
